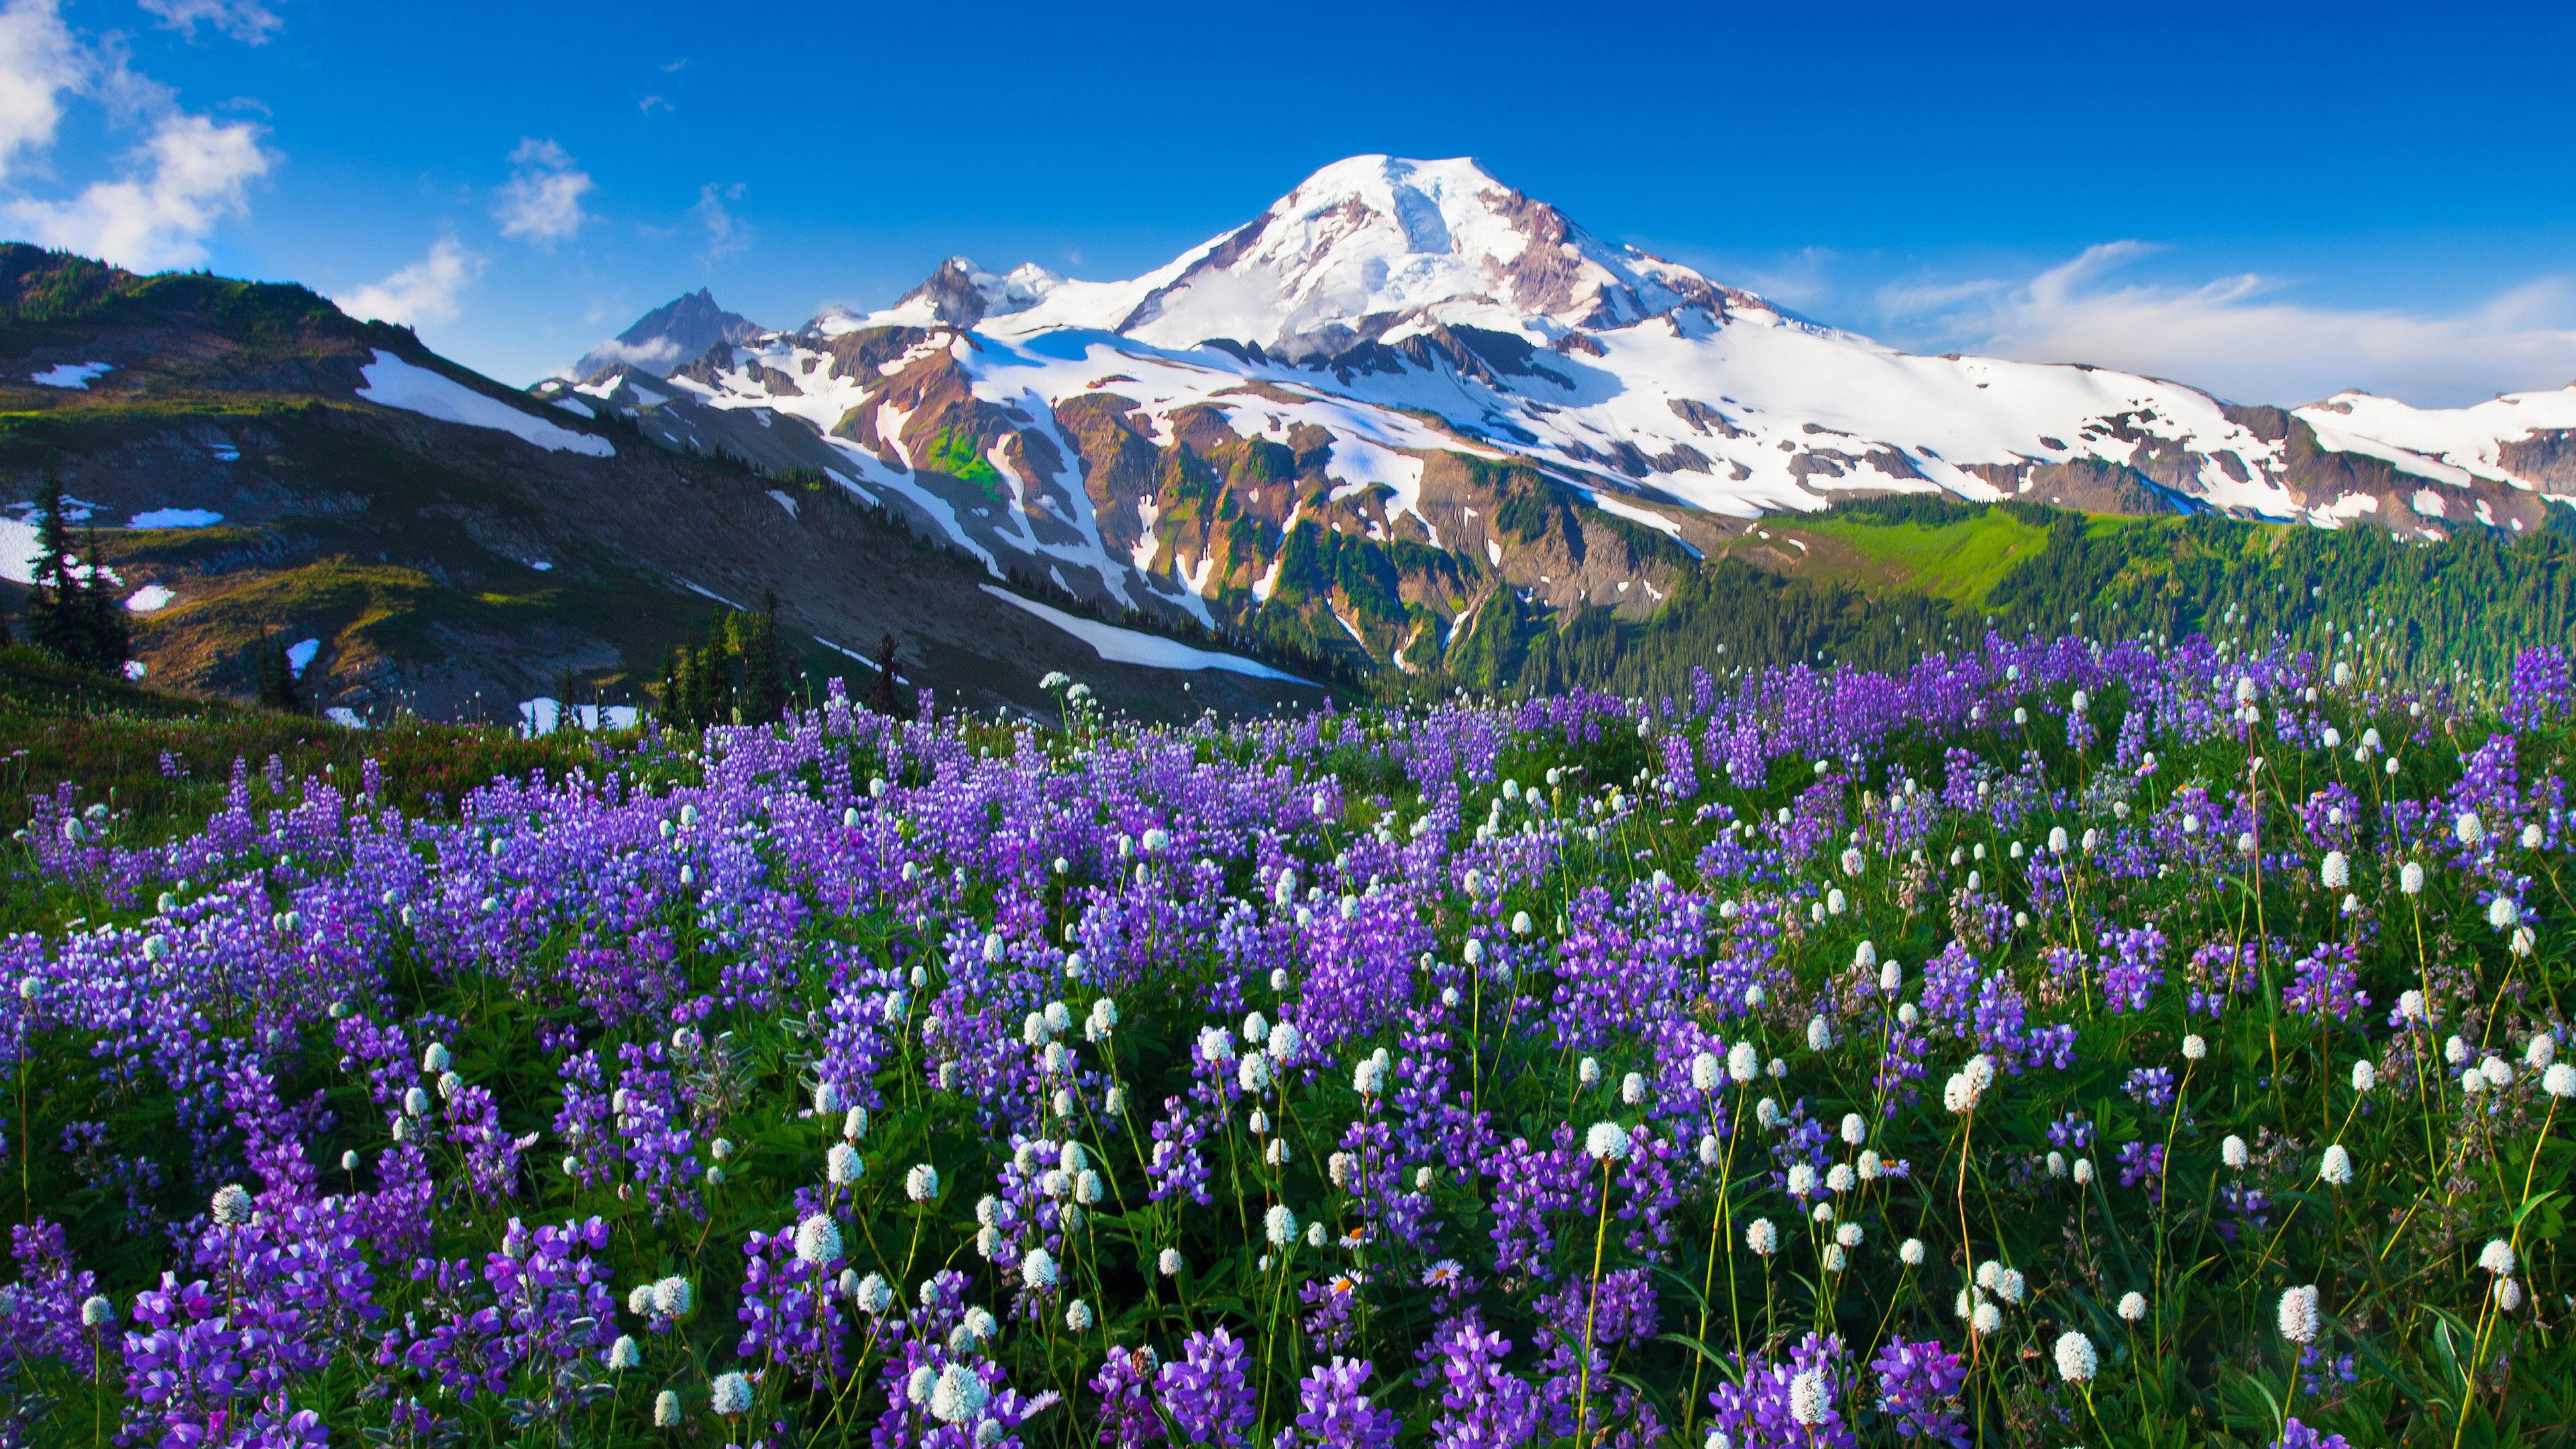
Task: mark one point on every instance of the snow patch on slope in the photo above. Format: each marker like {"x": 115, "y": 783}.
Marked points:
{"x": 394, "y": 383}
{"x": 1129, "y": 646}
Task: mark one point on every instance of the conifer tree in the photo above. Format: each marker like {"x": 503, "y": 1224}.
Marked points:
{"x": 276, "y": 676}
{"x": 103, "y": 636}
{"x": 884, "y": 697}
{"x": 764, "y": 675}
{"x": 710, "y": 682}
{"x": 52, "y": 601}
{"x": 677, "y": 679}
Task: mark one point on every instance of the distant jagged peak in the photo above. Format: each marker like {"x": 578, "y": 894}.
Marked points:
{"x": 670, "y": 337}
{"x": 957, "y": 293}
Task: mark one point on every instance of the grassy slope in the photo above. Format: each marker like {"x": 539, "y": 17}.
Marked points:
{"x": 169, "y": 758}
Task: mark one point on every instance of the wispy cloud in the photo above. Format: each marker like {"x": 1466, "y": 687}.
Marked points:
{"x": 541, "y": 202}
{"x": 248, "y": 21}
{"x": 727, "y": 233}
{"x": 2242, "y": 337}
{"x": 427, "y": 291}
{"x": 171, "y": 191}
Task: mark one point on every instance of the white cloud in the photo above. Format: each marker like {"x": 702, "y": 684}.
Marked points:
{"x": 2237, "y": 336}
{"x": 637, "y": 354}
{"x": 190, "y": 175}
{"x": 425, "y": 291}
{"x": 541, "y": 202}
{"x": 726, "y": 232}
{"x": 248, "y": 21}
{"x": 39, "y": 61}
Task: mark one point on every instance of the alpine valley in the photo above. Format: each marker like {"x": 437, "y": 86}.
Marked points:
{"x": 1408, "y": 427}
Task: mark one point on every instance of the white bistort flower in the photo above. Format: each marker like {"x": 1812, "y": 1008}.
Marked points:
{"x": 818, "y": 1240}
{"x": 1607, "y": 1142}
{"x": 730, "y": 1395}
{"x": 959, "y": 1395}
{"x": 1704, "y": 1071}
{"x": 2076, "y": 1360}
{"x": 2133, "y": 1307}
{"x": 2299, "y": 1314}
{"x": 1807, "y": 1398}
{"x": 1762, "y": 1238}
{"x": 2336, "y": 1168}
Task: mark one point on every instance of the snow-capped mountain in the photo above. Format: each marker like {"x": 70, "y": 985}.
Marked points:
{"x": 1405, "y": 387}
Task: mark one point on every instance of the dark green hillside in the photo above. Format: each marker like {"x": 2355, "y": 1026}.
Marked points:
{"x": 1876, "y": 582}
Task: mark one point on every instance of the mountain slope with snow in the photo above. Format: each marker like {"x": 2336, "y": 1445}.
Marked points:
{"x": 1406, "y": 388}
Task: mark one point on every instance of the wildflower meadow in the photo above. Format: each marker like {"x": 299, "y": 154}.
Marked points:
{"x": 2059, "y": 1042}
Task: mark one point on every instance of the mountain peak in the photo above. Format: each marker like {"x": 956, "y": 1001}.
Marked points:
{"x": 1372, "y": 246}
{"x": 670, "y": 336}
{"x": 961, "y": 294}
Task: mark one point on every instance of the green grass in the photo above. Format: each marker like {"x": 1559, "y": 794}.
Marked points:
{"x": 1960, "y": 561}
{"x": 169, "y": 757}
{"x": 954, "y": 452}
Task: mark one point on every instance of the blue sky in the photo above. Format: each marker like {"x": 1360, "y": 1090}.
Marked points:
{"x": 2272, "y": 201}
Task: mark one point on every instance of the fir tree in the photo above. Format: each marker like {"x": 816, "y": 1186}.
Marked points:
{"x": 276, "y": 677}
{"x": 884, "y": 697}
{"x": 567, "y": 713}
{"x": 710, "y": 682}
{"x": 764, "y": 675}
{"x": 102, "y": 636}
{"x": 53, "y": 624}
{"x": 676, "y": 682}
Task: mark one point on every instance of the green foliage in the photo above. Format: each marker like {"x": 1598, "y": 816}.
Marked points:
{"x": 1261, "y": 462}
{"x": 959, "y": 453}
{"x": 733, "y": 673}
{"x": 1487, "y": 654}
{"x": 276, "y": 686}
{"x": 74, "y": 611}
{"x": 1731, "y": 615}
{"x": 1920, "y": 573}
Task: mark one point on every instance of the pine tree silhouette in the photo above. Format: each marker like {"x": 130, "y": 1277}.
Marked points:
{"x": 53, "y": 601}
{"x": 884, "y": 697}
{"x": 764, "y": 674}
{"x": 276, "y": 676}
{"x": 104, "y": 636}
{"x": 675, "y": 687}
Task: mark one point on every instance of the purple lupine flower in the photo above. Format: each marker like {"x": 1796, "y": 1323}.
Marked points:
{"x": 1335, "y": 1412}
{"x": 1918, "y": 1386}
{"x": 1204, "y": 1390}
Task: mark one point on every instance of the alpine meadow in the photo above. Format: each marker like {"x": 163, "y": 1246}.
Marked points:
{"x": 1918, "y": 797}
